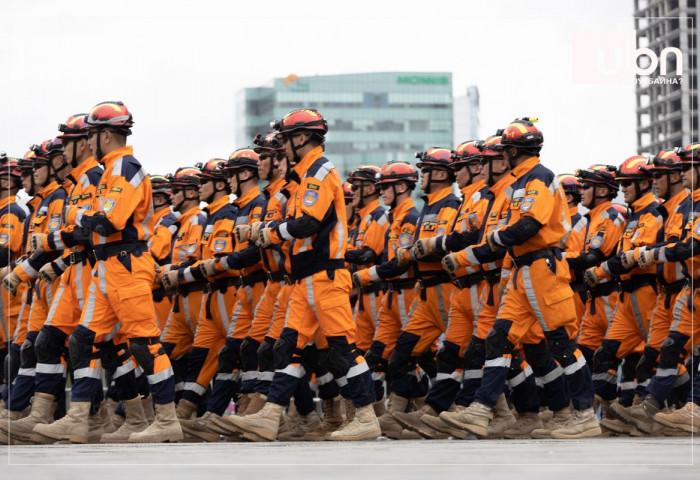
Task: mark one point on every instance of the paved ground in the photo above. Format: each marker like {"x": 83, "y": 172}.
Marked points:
{"x": 592, "y": 459}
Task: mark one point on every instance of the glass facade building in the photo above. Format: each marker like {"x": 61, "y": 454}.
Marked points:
{"x": 372, "y": 117}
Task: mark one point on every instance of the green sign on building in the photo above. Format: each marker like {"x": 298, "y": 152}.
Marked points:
{"x": 422, "y": 80}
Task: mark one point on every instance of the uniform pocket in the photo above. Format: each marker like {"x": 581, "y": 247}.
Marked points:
{"x": 556, "y": 296}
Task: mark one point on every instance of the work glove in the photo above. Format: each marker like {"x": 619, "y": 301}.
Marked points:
{"x": 169, "y": 279}
{"x": 210, "y": 267}
{"x": 242, "y": 233}
{"x": 491, "y": 241}
{"x": 36, "y": 243}
{"x": 4, "y": 271}
{"x": 627, "y": 259}
{"x": 591, "y": 277}
{"x": 424, "y": 247}
{"x": 450, "y": 264}
{"x": 646, "y": 258}
{"x": 48, "y": 273}
{"x": 11, "y": 282}
{"x": 402, "y": 255}
{"x": 356, "y": 280}
{"x": 265, "y": 239}
{"x": 255, "y": 231}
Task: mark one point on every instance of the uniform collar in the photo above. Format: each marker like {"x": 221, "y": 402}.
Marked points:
{"x": 472, "y": 188}
{"x": 642, "y": 202}
{"x": 120, "y": 152}
{"x": 696, "y": 194}
{"x": 369, "y": 208}
{"x": 48, "y": 190}
{"x": 308, "y": 160}
{"x": 274, "y": 187}
{"x": 189, "y": 213}
{"x": 501, "y": 184}
{"x": 157, "y": 216}
{"x": 247, "y": 197}
{"x": 675, "y": 200}
{"x": 595, "y": 211}
{"x": 404, "y": 206}
{"x": 573, "y": 210}
{"x": 74, "y": 176}
{"x": 216, "y": 205}
{"x": 8, "y": 200}
{"x": 525, "y": 167}
{"x": 434, "y": 197}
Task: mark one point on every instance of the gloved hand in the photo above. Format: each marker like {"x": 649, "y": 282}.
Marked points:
{"x": 450, "y": 263}
{"x": 402, "y": 255}
{"x": 255, "y": 231}
{"x": 591, "y": 277}
{"x": 11, "y": 282}
{"x": 210, "y": 267}
{"x": 4, "y": 271}
{"x": 47, "y": 273}
{"x": 627, "y": 259}
{"x": 265, "y": 239}
{"x": 242, "y": 233}
{"x": 424, "y": 247}
{"x": 372, "y": 357}
{"x": 646, "y": 258}
{"x": 491, "y": 241}
{"x": 169, "y": 279}
{"x": 356, "y": 280}
{"x": 36, "y": 243}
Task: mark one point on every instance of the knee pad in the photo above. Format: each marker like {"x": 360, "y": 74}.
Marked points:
{"x": 672, "y": 349}
{"x": 447, "y": 357}
{"x": 373, "y": 357}
{"x": 497, "y": 344}
{"x": 230, "y": 356}
{"x": 80, "y": 346}
{"x": 604, "y": 359}
{"x": 310, "y": 357}
{"x": 27, "y": 354}
{"x": 427, "y": 362}
{"x": 49, "y": 344}
{"x": 139, "y": 349}
{"x": 475, "y": 354}
{"x": 113, "y": 356}
{"x": 538, "y": 357}
{"x": 629, "y": 366}
{"x": 249, "y": 354}
{"x": 644, "y": 369}
{"x": 563, "y": 351}
{"x": 265, "y": 361}
{"x": 334, "y": 361}
{"x": 282, "y": 353}
{"x": 400, "y": 363}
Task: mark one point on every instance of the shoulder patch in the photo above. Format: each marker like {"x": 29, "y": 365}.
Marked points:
{"x": 405, "y": 240}
{"x": 310, "y": 197}
{"x": 313, "y": 186}
{"x": 54, "y": 222}
{"x": 219, "y": 246}
{"x": 4, "y": 238}
{"x": 527, "y": 204}
{"x": 596, "y": 241}
{"x": 109, "y": 205}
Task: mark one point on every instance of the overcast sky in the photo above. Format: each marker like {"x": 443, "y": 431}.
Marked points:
{"x": 177, "y": 65}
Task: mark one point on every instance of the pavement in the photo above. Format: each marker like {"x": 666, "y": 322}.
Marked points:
{"x": 659, "y": 458}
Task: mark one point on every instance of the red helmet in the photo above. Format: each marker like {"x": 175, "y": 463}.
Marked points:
{"x": 41, "y": 153}
{"x": 690, "y": 155}
{"x": 365, "y": 173}
{"x": 112, "y": 115}
{"x": 186, "y": 177}
{"x": 634, "y": 168}
{"x": 10, "y": 167}
{"x": 599, "y": 174}
{"x": 666, "y": 161}
{"x": 26, "y": 163}
{"x": 490, "y": 147}
{"x": 161, "y": 184}
{"x": 466, "y": 152}
{"x": 55, "y": 147}
{"x": 242, "y": 158}
{"x": 75, "y": 127}
{"x": 212, "y": 169}
{"x": 302, "y": 119}
{"x": 435, "y": 157}
{"x": 522, "y": 133}
{"x": 394, "y": 172}
{"x": 570, "y": 184}
{"x": 268, "y": 143}
{"x": 347, "y": 191}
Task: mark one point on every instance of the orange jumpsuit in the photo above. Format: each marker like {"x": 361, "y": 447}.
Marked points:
{"x": 11, "y": 219}
{"x": 575, "y": 243}
{"x": 160, "y": 245}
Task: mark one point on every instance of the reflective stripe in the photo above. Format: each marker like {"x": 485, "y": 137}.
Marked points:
{"x": 605, "y": 377}
{"x": 341, "y": 238}
{"x": 293, "y": 370}
{"x": 102, "y": 275}
{"x": 265, "y": 376}
{"x": 194, "y": 387}
{"x": 516, "y": 380}
{"x": 358, "y": 369}
{"x": 373, "y": 274}
{"x": 498, "y": 362}
{"x": 456, "y": 376}
{"x": 681, "y": 380}
{"x": 50, "y": 368}
{"x": 125, "y": 368}
{"x": 324, "y": 379}
{"x": 233, "y": 377}
{"x": 678, "y": 308}
{"x": 57, "y": 240}
{"x": 138, "y": 178}
{"x": 473, "y": 374}
{"x": 441, "y": 306}
{"x": 628, "y": 385}
{"x": 186, "y": 312}
{"x": 471, "y": 257}
{"x": 531, "y": 298}
{"x": 638, "y": 313}
{"x": 187, "y": 275}
{"x": 87, "y": 372}
{"x": 667, "y": 372}
{"x": 553, "y": 375}
{"x": 378, "y": 377}
{"x": 27, "y": 372}
{"x": 284, "y": 232}
{"x": 223, "y": 315}
{"x": 574, "y": 367}
{"x": 250, "y": 375}
{"x": 54, "y": 304}
{"x": 78, "y": 270}
{"x": 179, "y": 386}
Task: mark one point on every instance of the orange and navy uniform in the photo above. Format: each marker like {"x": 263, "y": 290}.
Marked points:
{"x": 602, "y": 233}
{"x": 685, "y": 328}
{"x": 120, "y": 294}
{"x": 365, "y": 252}
{"x": 12, "y": 217}
{"x": 628, "y": 332}
{"x": 160, "y": 246}
{"x": 217, "y": 305}
{"x": 316, "y": 226}
{"x": 75, "y": 269}
{"x": 575, "y": 244}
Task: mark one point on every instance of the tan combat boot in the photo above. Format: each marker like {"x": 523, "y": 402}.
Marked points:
{"x": 524, "y": 426}
{"x": 364, "y": 426}
{"x": 186, "y": 410}
{"x": 10, "y": 416}
{"x": 503, "y": 418}
{"x": 135, "y": 422}
{"x": 110, "y": 406}
{"x": 413, "y": 421}
{"x": 148, "y": 409}
{"x": 331, "y": 420}
{"x": 473, "y": 419}
{"x": 387, "y": 422}
{"x": 202, "y": 428}
{"x": 305, "y": 424}
{"x": 96, "y": 423}
{"x": 380, "y": 407}
{"x": 349, "y": 416}
{"x": 256, "y": 403}
{"x": 289, "y": 420}
{"x": 559, "y": 420}
{"x": 583, "y": 424}
{"x": 73, "y": 427}
{"x": 640, "y": 416}
{"x": 43, "y": 408}
{"x": 165, "y": 427}
{"x": 242, "y": 404}
{"x": 264, "y": 423}
{"x": 686, "y": 418}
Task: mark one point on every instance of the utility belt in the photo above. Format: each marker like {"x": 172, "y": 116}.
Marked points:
{"x": 468, "y": 281}
{"x": 602, "y": 290}
{"x": 637, "y": 282}
{"x": 374, "y": 287}
{"x": 79, "y": 257}
{"x": 435, "y": 280}
{"x": 222, "y": 284}
{"x": 187, "y": 288}
{"x": 401, "y": 284}
{"x": 289, "y": 278}
{"x": 578, "y": 287}
{"x": 275, "y": 277}
{"x": 250, "y": 280}
{"x": 527, "y": 259}
{"x": 672, "y": 288}
{"x": 103, "y": 252}
{"x": 158, "y": 294}
{"x": 493, "y": 277}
